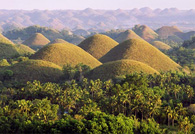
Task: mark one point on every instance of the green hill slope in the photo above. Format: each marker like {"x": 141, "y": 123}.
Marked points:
{"x": 65, "y": 53}
{"x": 117, "y": 68}
{"x": 140, "y": 50}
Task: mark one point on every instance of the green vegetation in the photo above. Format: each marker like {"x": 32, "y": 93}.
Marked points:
{"x": 98, "y": 45}
{"x": 4, "y": 62}
{"x": 190, "y": 43}
{"x": 32, "y": 70}
{"x": 160, "y": 45}
{"x": 140, "y": 50}
{"x": 36, "y": 41}
{"x": 145, "y": 32}
{"x": 66, "y": 53}
{"x": 5, "y": 40}
{"x": 139, "y": 103}
{"x": 129, "y": 34}
{"x": 119, "y": 68}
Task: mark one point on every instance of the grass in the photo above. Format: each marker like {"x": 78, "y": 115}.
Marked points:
{"x": 24, "y": 50}
{"x": 36, "y": 41}
{"x": 167, "y": 31}
{"x": 7, "y": 50}
{"x": 145, "y": 32}
{"x": 140, "y": 50}
{"x": 30, "y": 70}
{"x": 129, "y": 34}
{"x": 160, "y": 45}
{"x": 66, "y": 53}
{"x": 98, "y": 45}
{"x": 57, "y": 41}
{"x": 118, "y": 68}
{"x": 5, "y": 40}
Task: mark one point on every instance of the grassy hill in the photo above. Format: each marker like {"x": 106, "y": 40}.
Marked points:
{"x": 160, "y": 45}
{"x": 166, "y": 31}
{"x": 118, "y": 68}
{"x": 30, "y": 70}
{"x": 36, "y": 41}
{"x": 58, "y": 41}
{"x": 140, "y": 50}
{"x": 5, "y": 40}
{"x": 24, "y": 50}
{"x": 129, "y": 34}
{"x": 65, "y": 53}
{"x": 7, "y": 50}
{"x": 98, "y": 45}
{"x": 145, "y": 32}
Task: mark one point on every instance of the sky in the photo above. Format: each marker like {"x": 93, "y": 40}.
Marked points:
{"x": 95, "y": 4}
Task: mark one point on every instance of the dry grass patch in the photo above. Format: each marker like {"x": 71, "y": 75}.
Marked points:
{"x": 23, "y": 49}
{"x": 140, "y": 50}
{"x": 57, "y": 41}
{"x": 98, "y": 45}
{"x": 167, "y": 31}
{"x": 65, "y": 53}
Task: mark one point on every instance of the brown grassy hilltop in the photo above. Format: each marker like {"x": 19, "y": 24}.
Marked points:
{"x": 36, "y": 41}
{"x": 98, "y": 45}
{"x": 140, "y": 50}
{"x": 57, "y": 41}
{"x": 145, "y": 32}
{"x": 128, "y": 34}
{"x": 161, "y": 45}
{"x": 30, "y": 70}
{"x": 167, "y": 31}
{"x": 117, "y": 68}
{"x": 65, "y": 53}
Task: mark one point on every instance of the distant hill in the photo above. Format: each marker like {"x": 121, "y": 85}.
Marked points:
{"x": 98, "y": 45}
{"x": 57, "y": 41}
{"x": 99, "y": 20}
{"x": 51, "y": 34}
{"x": 36, "y": 41}
{"x": 145, "y": 32}
{"x": 65, "y": 53}
{"x": 129, "y": 34}
{"x": 118, "y": 68}
{"x": 30, "y": 70}
{"x": 140, "y": 50}
{"x": 160, "y": 45}
{"x": 166, "y": 31}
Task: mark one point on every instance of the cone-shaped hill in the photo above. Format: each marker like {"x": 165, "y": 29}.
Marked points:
{"x": 117, "y": 68}
{"x": 23, "y": 49}
{"x": 161, "y": 45}
{"x": 57, "y": 41}
{"x": 140, "y": 50}
{"x": 98, "y": 45}
{"x": 5, "y": 40}
{"x": 65, "y": 53}
{"x": 167, "y": 31}
{"x": 145, "y": 32}
{"x": 36, "y": 41}
{"x": 129, "y": 34}
{"x": 30, "y": 70}
{"x": 7, "y": 49}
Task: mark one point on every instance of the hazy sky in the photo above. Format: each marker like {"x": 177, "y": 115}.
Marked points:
{"x": 95, "y": 4}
